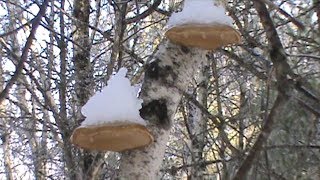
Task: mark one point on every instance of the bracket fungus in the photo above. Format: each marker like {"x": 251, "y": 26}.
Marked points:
{"x": 202, "y": 24}
{"x": 112, "y": 119}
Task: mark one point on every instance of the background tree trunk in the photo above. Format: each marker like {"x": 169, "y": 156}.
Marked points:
{"x": 198, "y": 122}
{"x": 5, "y": 132}
{"x": 84, "y": 81}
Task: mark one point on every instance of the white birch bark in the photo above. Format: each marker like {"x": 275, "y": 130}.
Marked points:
{"x": 116, "y": 53}
{"x": 166, "y": 75}
{"x": 89, "y": 165}
{"x": 4, "y": 132}
{"x": 199, "y": 124}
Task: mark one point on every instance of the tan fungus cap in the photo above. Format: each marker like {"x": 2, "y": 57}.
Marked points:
{"x": 112, "y": 137}
{"x": 203, "y": 36}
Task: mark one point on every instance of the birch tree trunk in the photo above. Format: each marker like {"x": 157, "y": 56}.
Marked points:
{"x": 84, "y": 78}
{"x": 199, "y": 123}
{"x": 165, "y": 77}
{"x": 4, "y": 131}
{"x": 6, "y": 155}
{"x": 81, "y": 50}
{"x": 120, "y": 9}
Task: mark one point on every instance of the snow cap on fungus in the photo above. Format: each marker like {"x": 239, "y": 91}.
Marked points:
{"x": 202, "y": 24}
{"x": 112, "y": 119}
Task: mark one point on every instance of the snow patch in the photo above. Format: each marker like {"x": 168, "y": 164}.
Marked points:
{"x": 200, "y": 12}
{"x": 116, "y": 103}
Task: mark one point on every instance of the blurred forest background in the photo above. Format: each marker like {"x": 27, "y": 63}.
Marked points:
{"x": 55, "y": 54}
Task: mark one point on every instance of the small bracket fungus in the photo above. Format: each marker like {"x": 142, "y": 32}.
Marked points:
{"x": 202, "y": 24}
{"x": 112, "y": 119}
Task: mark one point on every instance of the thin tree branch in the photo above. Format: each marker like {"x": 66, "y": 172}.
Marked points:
{"x": 15, "y": 30}
{"x": 305, "y": 56}
{"x": 146, "y": 13}
{"x": 317, "y": 9}
{"x": 284, "y": 13}
{"x": 25, "y": 51}
{"x": 294, "y": 147}
{"x": 282, "y": 70}
{"x": 280, "y": 102}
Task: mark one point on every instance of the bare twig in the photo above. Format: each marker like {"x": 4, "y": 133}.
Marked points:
{"x": 146, "y": 13}
{"x": 25, "y": 51}
{"x": 282, "y": 70}
{"x": 15, "y": 30}
{"x": 317, "y": 9}
{"x": 262, "y": 138}
{"x": 293, "y": 147}
{"x": 284, "y": 13}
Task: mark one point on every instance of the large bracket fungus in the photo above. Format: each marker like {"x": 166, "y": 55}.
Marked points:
{"x": 112, "y": 119}
{"x": 202, "y": 24}
{"x": 112, "y": 137}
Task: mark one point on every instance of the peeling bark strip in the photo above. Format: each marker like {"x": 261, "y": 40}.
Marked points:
{"x": 173, "y": 64}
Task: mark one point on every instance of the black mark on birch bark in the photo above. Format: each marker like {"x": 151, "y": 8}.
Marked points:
{"x": 152, "y": 70}
{"x": 155, "y": 71}
{"x": 156, "y": 112}
{"x": 185, "y": 49}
